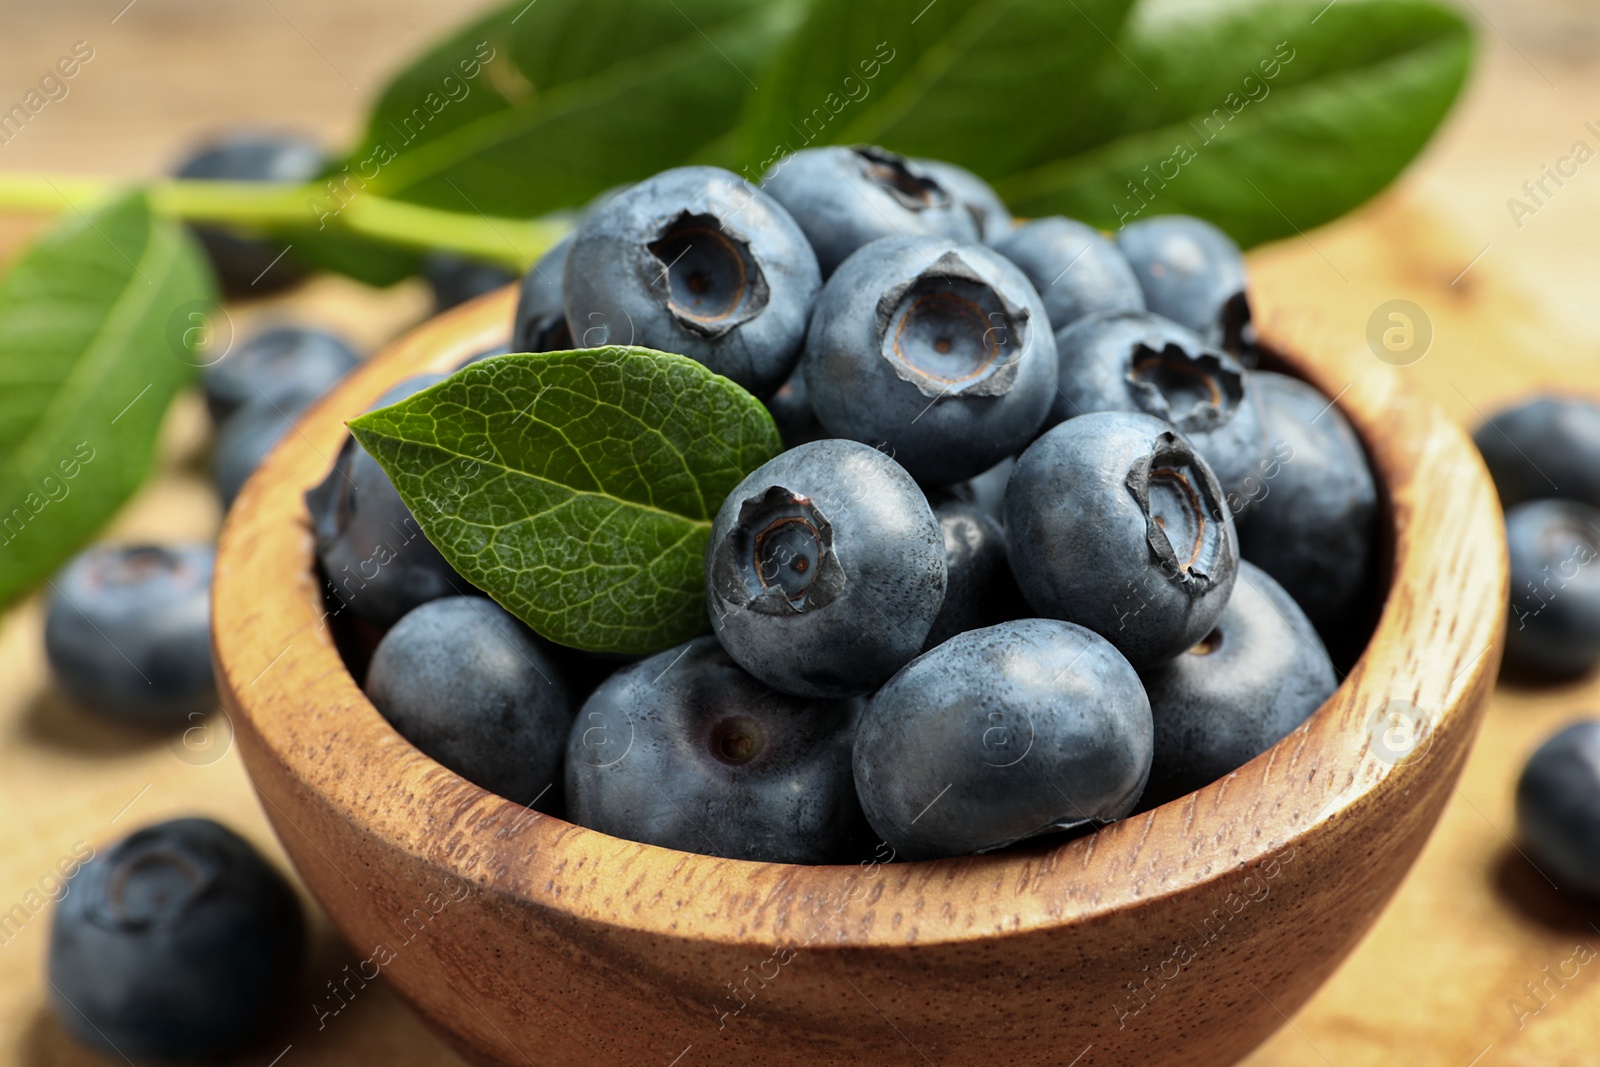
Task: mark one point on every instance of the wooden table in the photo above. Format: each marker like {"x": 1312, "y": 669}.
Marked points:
{"x": 1443, "y": 977}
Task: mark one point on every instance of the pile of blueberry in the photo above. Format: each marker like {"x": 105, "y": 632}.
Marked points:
{"x": 1043, "y": 547}
{"x": 1544, "y": 456}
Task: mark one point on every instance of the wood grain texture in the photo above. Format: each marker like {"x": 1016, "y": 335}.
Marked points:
{"x": 1186, "y": 935}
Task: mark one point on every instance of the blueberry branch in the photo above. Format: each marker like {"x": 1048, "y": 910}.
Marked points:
{"x": 285, "y": 208}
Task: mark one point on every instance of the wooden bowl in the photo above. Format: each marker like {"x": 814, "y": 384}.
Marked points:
{"x": 1185, "y": 935}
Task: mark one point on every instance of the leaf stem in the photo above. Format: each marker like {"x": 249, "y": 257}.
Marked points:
{"x": 259, "y": 206}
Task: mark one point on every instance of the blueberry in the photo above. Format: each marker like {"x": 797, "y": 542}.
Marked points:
{"x": 1193, "y": 274}
{"x": 128, "y": 632}
{"x": 1141, "y": 362}
{"x": 1558, "y": 806}
{"x": 825, "y": 570}
{"x": 1113, "y": 522}
{"x": 844, "y": 198}
{"x": 465, "y": 682}
{"x": 1548, "y": 446}
{"x": 252, "y": 265}
{"x": 687, "y": 751}
{"x": 278, "y": 366}
{"x": 1240, "y": 690}
{"x": 979, "y": 589}
{"x": 376, "y": 559}
{"x": 540, "y": 324}
{"x": 1002, "y": 734}
{"x": 989, "y": 213}
{"x": 457, "y": 279}
{"x": 938, "y": 351}
{"x": 249, "y": 436}
{"x": 178, "y": 943}
{"x": 698, "y": 261}
{"x": 1076, "y": 269}
{"x": 1554, "y": 627}
{"x": 985, "y": 491}
{"x": 1310, "y": 518}
{"x": 791, "y": 409}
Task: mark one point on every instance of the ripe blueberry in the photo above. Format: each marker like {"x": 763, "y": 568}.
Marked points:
{"x": 936, "y": 350}
{"x": 1558, "y": 806}
{"x": 979, "y": 589}
{"x": 825, "y": 570}
{"x": 1310, "y": 517}
{"x": 374, "y": 555}
{"x": 844, "y": 198}
{"x": 457, "y": 279}
{"x": 1076, "y": 269}
{"x": 989, "y": 213}
{"x": 252, "y": 265}
{"x": 128, "y": 632}
{"x": 1554, "y": 627}
{"x": 697, "y": 261}
{"x": 1548, "y": 446}
{"x": 1002, "y": 734}
{"x": 687, "y": 751}
{"x": 178, "y": 943}
{"x": 1240, "y": 690}
{"x": 1193, "y": 274}
{"x": 1141, "y": 362}
{"x": 540, "y": 324}
{"x": 1113, "y": 522}
{"x": 280, "y": 367}
{"x": 465, "y": 682}
{"x": 790, "y": 408}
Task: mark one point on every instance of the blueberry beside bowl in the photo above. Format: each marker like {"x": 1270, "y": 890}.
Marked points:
{"x": 652, "y": 942}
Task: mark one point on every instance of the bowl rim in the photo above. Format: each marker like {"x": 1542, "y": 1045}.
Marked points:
{"x": 283, "y": 680}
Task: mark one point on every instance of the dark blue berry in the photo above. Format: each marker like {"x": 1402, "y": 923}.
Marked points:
{"x": 1193, "y": 274}
{"x": 280, "y": 367}
{"x": 825, "y": 570}
{"x": 790, "y": 408}
{"x": 178, "y": 943}
{"x": 1309, "y": 518}
{"x": 1002, "y": 734}
{"x": 374, "y": 555}
{"x": 696, "y": 261}
{"x": 1137, "y": 361}
{"x": 252, "y": 265}
{"x": 128, "y": 632}
{"x": 1076, "y": 270}
{"x": 844, "y": 198}
{"x": 687, "y": 751}
{"x": 1553, "y": 630}
{"x": 1548, "y": 446}
{"x": 1558, "y": 807}
{"x": 1114, "y": 522}
{"x": 1257, "y": 675}
{"x": 979, "y": 589}
{"x": 937, "y": 351}
{"x": 540, "y": 324}
{"x": 456, "y": 279}
{"x": 467, "y": 683}
{"x": 989, "y": 213}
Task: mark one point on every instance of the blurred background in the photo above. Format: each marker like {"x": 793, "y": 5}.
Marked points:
{"x": 1513, "y": 306}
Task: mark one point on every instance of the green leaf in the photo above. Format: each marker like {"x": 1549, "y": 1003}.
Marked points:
{"x": 1339, "y": 98}
{"x": 542, "y": 106}
{"x": 96, "y": 325}
{"x": 577, "y": 488}
{"x": 988, "y": 84}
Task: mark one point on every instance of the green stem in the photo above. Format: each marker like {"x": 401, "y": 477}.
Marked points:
{"x": 263, "y": 206}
